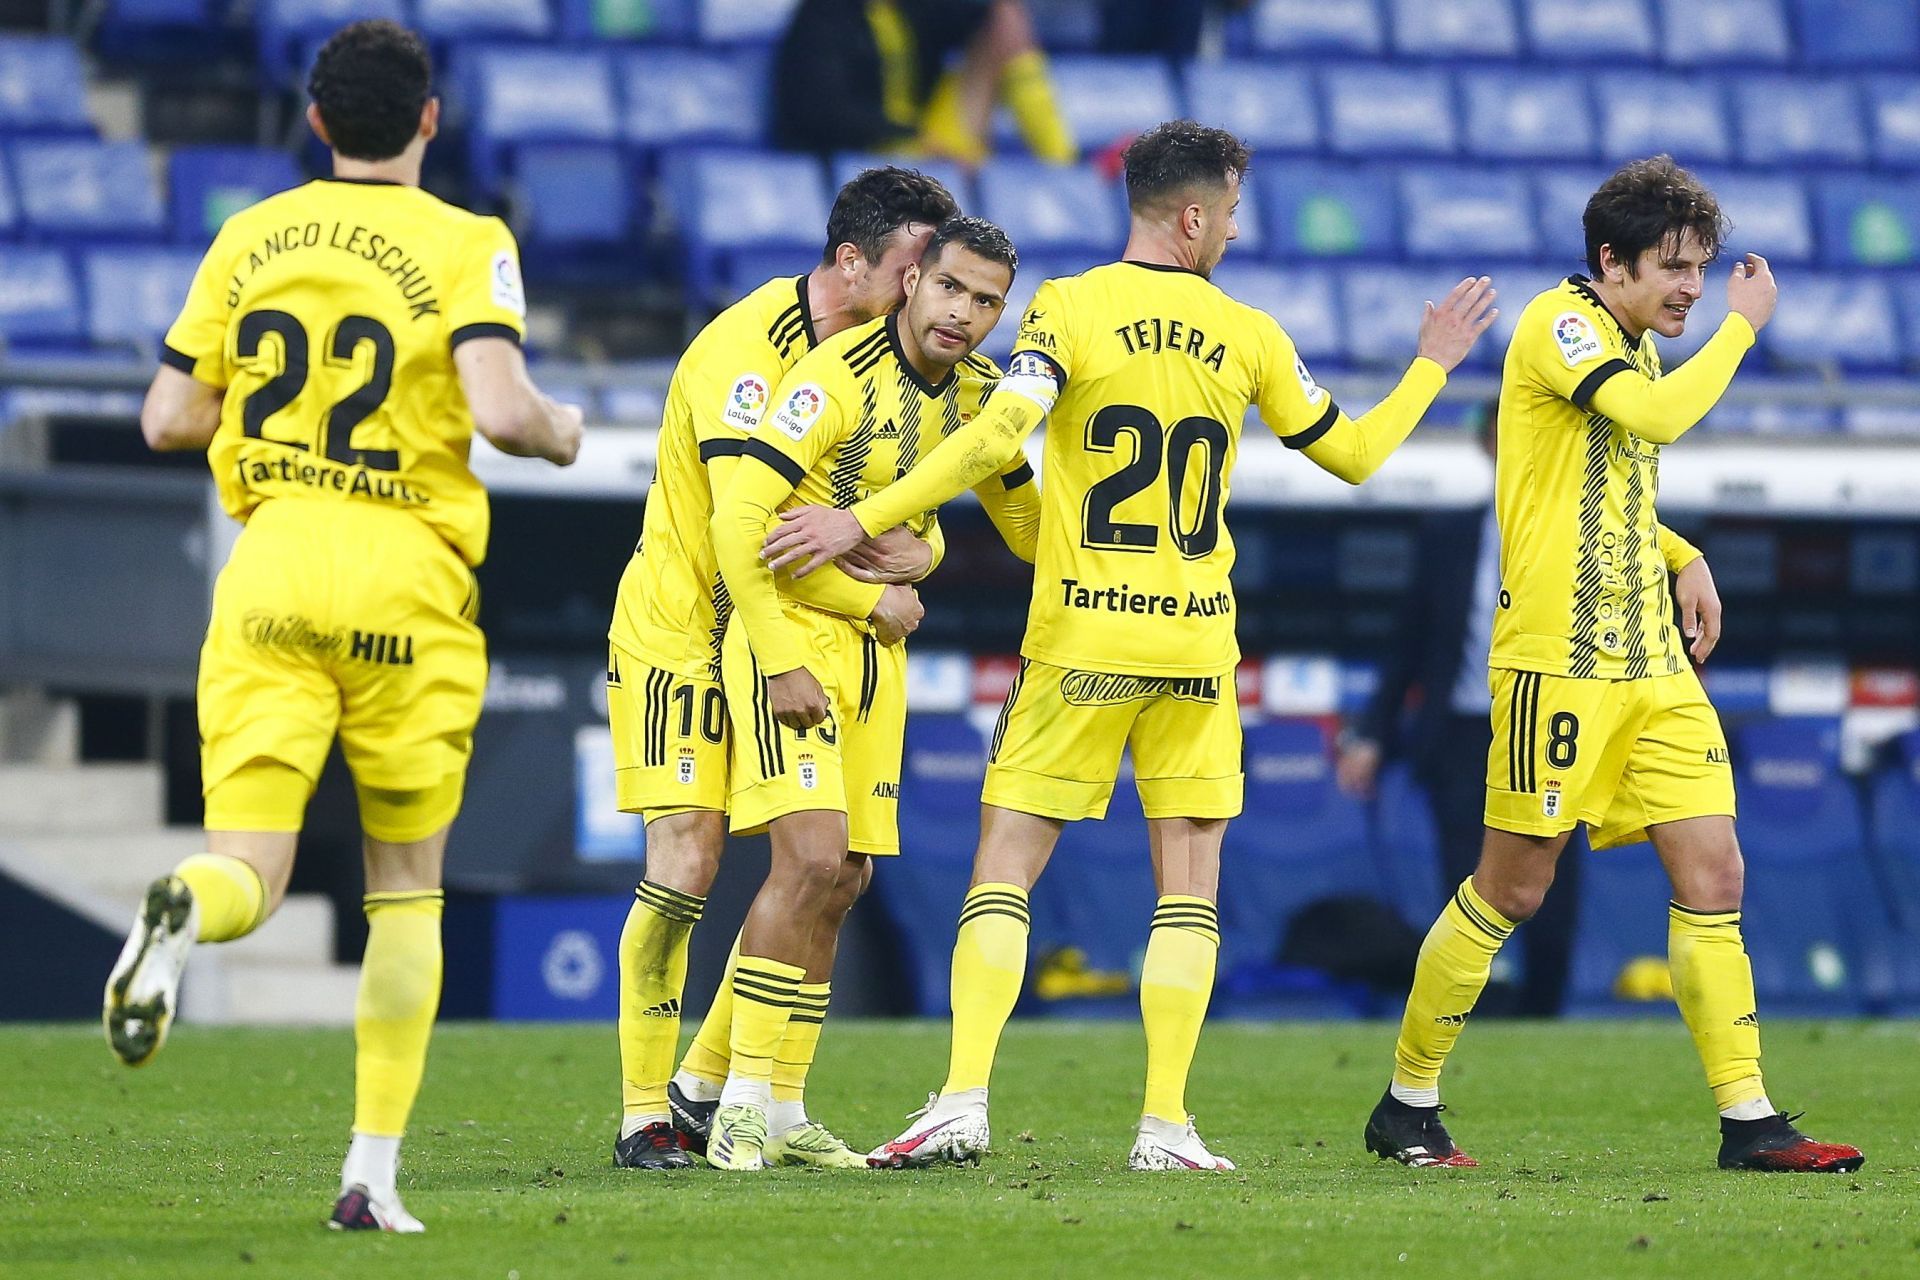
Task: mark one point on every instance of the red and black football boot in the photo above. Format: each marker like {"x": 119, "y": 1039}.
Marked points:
{"x": 692, "y": 1120}
{"x": 1414, "y": 1136}
{"x": 1773, "y": 1145}
{"x": 652, "y": 1146}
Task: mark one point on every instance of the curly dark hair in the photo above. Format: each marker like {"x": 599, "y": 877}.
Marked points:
{"x": 977, "y": 236}
{"x": 370, "y": 82}
{"x": 1178, "y": 160}
{"x": 1650, "y": 203}
{"x": 878, "y": 202}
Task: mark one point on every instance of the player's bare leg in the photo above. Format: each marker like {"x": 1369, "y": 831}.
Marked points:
{"x": 989, "y": 967}
{"x": 1507, "y": 887}
{"x": 1713, "y": 985}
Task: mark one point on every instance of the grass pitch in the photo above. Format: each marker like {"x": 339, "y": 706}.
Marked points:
{"x": 221, "y": 1159}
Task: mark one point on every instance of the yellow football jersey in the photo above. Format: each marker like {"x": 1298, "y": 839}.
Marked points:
{"x": 1157, "y": 368}
{"x": 1583, "y": 576}
{"x": 329, "y": 314}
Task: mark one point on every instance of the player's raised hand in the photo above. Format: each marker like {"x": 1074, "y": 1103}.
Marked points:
{"x": 894, "y": 556}
{"x": 1699, "y": 608}
{"x": 809, "y": 537}
{"x": 797, "y": 699}
{"x": 897, "y": 615}
{"x": 1449, "y": 330}
{"x": 1751, "y": 291}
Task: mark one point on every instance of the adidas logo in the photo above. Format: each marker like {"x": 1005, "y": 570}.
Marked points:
{"x": 670, "y": 1009}
{"x": 1747, "y": 1020}
{"x": 890, "y": 430}
{"x": 1452, "y": 1019}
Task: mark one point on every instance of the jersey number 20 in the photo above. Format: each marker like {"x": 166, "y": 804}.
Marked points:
{"x": 279, "y": 391}
{"x": 1154, "y": 448}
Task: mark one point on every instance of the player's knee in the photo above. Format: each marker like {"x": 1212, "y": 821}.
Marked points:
{"x": 856, "y": 873}
{"x": 683, "y": 850}
{"x": 1516, "y": 900}
{"x": 1715, "y": 884}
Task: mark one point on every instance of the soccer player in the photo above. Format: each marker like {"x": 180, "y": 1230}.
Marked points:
{"x": 664, "y": 697}
{"x": 340, "y": 344}
{"x": 819, "y": 707}
{"x": 1598, "y": 717}
{"x": 1148, "y": 370}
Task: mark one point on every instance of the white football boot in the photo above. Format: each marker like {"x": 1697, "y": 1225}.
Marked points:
{"x": 949, "y": 1129}
{"x": 143, "y": 990}
{"x": 1163, "y": 1144}
{"x": 359, "y": 1209}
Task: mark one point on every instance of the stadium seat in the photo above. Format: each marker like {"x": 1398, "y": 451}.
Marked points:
{"x": 1328, "y": 211}
{"x": 1106, "y": 100}
{"x": 1518, "y": 284}
{"x": 1724, "y": 32}
{"x": 1303, "y": 299}
{"x": 1894, "y": 809}
{"x": 9, "y": 207}
{"x": 588, "y": 21}
{"x": 1644, "y": 113}
{"x": 1454, "y": 212}
{"x": 1388, "y": 110}
{"x": 1270, "y": 106}
{"x": 133, "y": 295}
{"x": 76, "y": 189}
{"x": 40, "y": 305}
{"x": 1868, "y": 221}
{"x": 742, "y": 21}
{"x": 1050, "y": 210}
{"x": 209, "y": 184}
{"x": 525, "y": 95}
{"x": 1068, "y": 25}
{"x": 1893, "y": 106}
{"x": 1858, "y": 33}
{"x": 1407, "y": 847}
{"x": 1906, "y": 293}
{"x": 1454, "y": 28}
{"x": 42, "y": 86}
{"x": 572, "y": 195}
{"x": 684, "y": 96}
{"x": 1525, "y": 115}
{"x": 1621, "y": 918}
{"x": 1563, "y": 196}
{"x": 288, "y": 30}
{"x": 483, "y": 19}
{"x": 1610, "y": 31}
{"x": 1315, "y": 26}
{"x": 1098, "y": 893}
{"x": 1831, "y": 321}
{"x": 1770, "y": 215}
{"x": 1383, "y": 308}
{"x": 1796, "y": 120}
{"x": 732, "y": 203}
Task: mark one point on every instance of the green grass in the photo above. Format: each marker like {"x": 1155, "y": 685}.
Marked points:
{"x": 1598, "y": 1142}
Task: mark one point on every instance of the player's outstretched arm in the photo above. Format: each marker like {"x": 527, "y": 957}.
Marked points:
{"x": 1661, "y": 410}
{"x": 180, "y": 411}
{"x": 512, "y": 413}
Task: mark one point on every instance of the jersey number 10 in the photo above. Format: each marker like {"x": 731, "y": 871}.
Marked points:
{"x": 279, "y": 391}
{"x": 1154, "y": 448}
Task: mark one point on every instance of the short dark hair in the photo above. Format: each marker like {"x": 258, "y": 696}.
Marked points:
{"x": 1650, "y": 203}
{"x": 370, "y": 82}
{"x": 977, "y": 236}
{"x": 878, "y": 202}
{"x": 1178, "y": 159}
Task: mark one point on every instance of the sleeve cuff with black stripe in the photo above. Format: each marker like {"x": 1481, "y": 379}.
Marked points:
{"x": 1301, "y": 439}
{"x": 1591, "y": 384}
{"x": 468, "y": 332}
{"x": 174, "y": 358}
{"x": 1022, "y": 474}
{"x": 779, "y": 461}
{"x": 711, "y": 449}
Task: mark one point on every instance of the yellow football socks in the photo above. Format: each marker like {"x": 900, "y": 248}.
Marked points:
{"x": 1176, "y": 981}
{"x": 795, "y": 1056}
{"x": 712, "y": 1045}
{"x": 1713, "y": 985}
{"x": 764, "y": 994}
{"x": 1028, "y": 93}
{"x": 989, "y": 965}
{"x": 653, "y": 975}
{"x": 1454, "y": 963}
{"x": 230, "y": 894}
{"x": 393, "y": 1017}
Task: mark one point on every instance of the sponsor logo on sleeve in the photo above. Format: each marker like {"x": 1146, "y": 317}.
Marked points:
{"x": 1315, "y": 393}
{"x": 1578, "y": 340}
{"x": 796, "y": 417}
{"x": 508, "y": 291}
{"x": 747, "y": 402}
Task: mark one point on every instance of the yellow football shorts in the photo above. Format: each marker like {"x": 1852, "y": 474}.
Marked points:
{"x": 850, "y": 762}
{"x": 1618, "y": 755}
{"x": 336, "y": 618}
{"x": 1056, "y": 749}
{"x": 670, "y": 737}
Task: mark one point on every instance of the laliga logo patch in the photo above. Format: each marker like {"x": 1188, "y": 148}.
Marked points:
{"x": 508, "y": 292}
{"x": 802, "y": 409}
{"x": 1577, "y": 338}
{"x": 1315, "y": 393}
{"x": 746, "y": 402}
{"x": 1550, "y": 799}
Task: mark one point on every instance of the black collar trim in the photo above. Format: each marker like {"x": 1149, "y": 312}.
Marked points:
{"x": 1583, "y": 285}
{"x": 365, "y": 182}
{"x": 930, "y": 389}
{"x": 1162, "y": 266}
{"x": 806, "y": 311}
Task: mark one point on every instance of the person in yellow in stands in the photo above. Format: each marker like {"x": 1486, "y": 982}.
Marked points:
{"x": 339, "y": 347}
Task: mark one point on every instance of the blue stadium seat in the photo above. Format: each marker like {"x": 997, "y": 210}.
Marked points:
{"x": 1835, "y": 321}
{"x": 1328, "y": 211}
{"x": 524, "y": 95}
{"x": 1316, "y": 26}
{"x": 1868, "y": 221}
{"x": 1906, "y": 292}
{"x": 288, "y": 30}
{"x": 849, "y": 165}
{"x": 1621, "y": 917}
{"x": 742, "y": 21}
{"x": 483, "y": 19}
{"x": 208, "y": 184}
{"x": 1858, "y": 33}
{"x": 1382, "y": 309}
{"x": 1725, "y": 32}
{"x": 1894, "y": 808}
{"x": 1610, "y": 31}
{"x": 1563, "y": 196}
{"x": 1271, "y": 106}
{"x": 76, "y": 189}
{"x": 744, "y": 202}
{"x": 1525, "y": 115}
{"x": 1518, "y": 284}
{"x": 1454, "y": 212}
{"x": 588, "y": 21}
{"x": 1050, "y": 210}
{"x": 1643, "y": 113}
{"x": 1796, "y": 120}
{"x": 1454, "y": 28}
{"x": 1770, "y": 215}
{"x": 41, "y": 304}
{"x": 1303, "y": 299}
{"x": 133, "y": 295}
{"x": 684, "y": 96}
{"x": 570, "y": 195}
{"x": 1098, "y": 894}
{"x": 1407, "y": 846}
{"x": 1388, "y": 111}
{"x": 1893, "y": 107}
{"x": 42, "y": 86}
{"x": 1108, "y": 99}
{"x": 1068, "y": 25}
